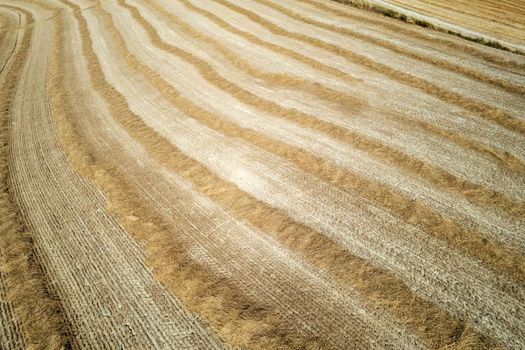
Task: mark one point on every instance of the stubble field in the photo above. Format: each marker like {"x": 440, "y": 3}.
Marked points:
{"x": 500, "y": 22}
{"x": 261, "y": 174}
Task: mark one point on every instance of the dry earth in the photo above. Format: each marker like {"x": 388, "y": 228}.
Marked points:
{"x": 263, "y": 174}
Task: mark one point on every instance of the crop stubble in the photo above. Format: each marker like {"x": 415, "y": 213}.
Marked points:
{"x": 217, "y": 174}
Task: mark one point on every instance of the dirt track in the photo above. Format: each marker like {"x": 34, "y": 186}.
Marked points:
{"x": 256, "y": 174}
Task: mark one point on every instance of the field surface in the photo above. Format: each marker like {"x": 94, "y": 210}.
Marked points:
{"x": 496, "y": 21}
{"x": 259, "y": 174}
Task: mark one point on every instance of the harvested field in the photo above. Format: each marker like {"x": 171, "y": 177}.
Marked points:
{"x": 499, "y": 23}
{"x": 259, "y": 174}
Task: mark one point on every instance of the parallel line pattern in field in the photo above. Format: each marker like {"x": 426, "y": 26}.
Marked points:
{"x": 502, "y": 20}
{"x": 491, "y": 23}
{"x": 260, "y": 174}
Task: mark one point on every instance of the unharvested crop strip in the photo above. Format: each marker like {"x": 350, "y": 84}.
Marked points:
{"x": 276, "y": 222}
{"x": 496, "y": 255}
{"x": 478, "y": 108}
{"x": 38, "y": 310}
{"x": 502, "y": 157}
{"x": 473, "y": 192}
{"x": 473, "y": 74}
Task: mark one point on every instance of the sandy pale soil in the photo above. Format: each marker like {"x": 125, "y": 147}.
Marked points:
{"x": 293, "y": 174}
